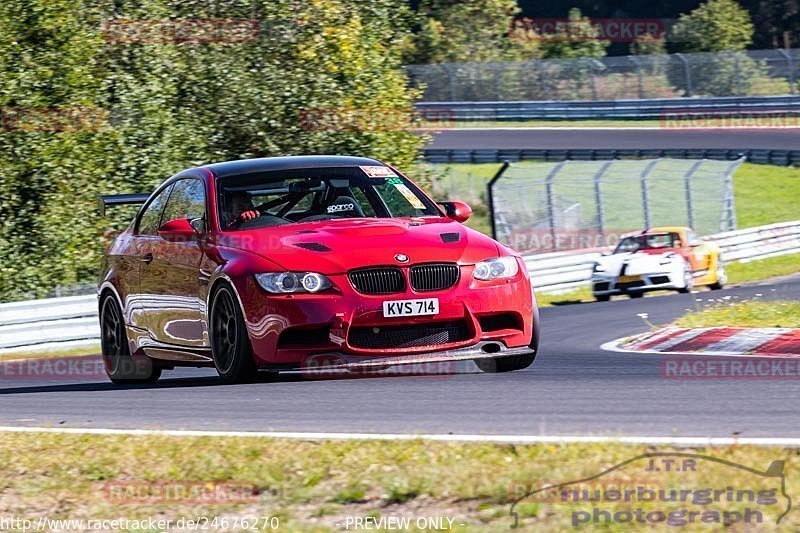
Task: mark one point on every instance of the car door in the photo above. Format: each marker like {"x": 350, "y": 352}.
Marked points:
{"x": 172, "y": 281}
{"x": 700, "y": 254}
{"x": 143, "y": 241}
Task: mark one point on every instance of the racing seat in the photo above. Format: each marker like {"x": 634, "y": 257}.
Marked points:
{"x": 345, "y": 207}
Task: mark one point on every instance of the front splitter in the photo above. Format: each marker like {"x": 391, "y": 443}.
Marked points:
{"x": 325, "y": 362}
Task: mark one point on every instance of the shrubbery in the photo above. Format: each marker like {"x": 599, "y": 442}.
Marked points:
{"x": 169, "y": 104}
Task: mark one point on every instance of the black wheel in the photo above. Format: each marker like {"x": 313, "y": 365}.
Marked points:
{"x": 688, "y": 281}
{"x": 602, "y": 297}
{"x": 230, "y": 346}
{"x": 722, "y": 278}
{"x": 120, "y": 366}
{"x": 637, "y": 294}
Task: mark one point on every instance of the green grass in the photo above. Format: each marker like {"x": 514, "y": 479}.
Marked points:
{"x": 89, "y": 350}
{"x": 764, "y": 193}
{"x": 763, "y": 269}
{"x": 312, "y": 486}
{"x": 752, "y": 313}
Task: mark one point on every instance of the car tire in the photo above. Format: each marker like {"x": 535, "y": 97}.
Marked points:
{"x": 722, "y": 278}
{"x": 688, "y": 281}
{"x": 120, "y": 366}
{"x": 602, "y": 297}
{"x": 230, "y": 345}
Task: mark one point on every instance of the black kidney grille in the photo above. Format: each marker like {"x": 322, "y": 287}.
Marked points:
{"x": 434, "y": 277}
{"x": 378, "y": 280}
{"x": 411, "y": 336}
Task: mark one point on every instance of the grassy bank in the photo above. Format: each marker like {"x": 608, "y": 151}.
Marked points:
{"x": 763, "y": 269}
{"x": 316, "y": 486}
{"x": 764, "y": 193}
{"x": 753, "y": 313}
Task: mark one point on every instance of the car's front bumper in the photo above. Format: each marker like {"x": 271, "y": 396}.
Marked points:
{"x": 288, "y": 329}
{"x": 611, "y": 285}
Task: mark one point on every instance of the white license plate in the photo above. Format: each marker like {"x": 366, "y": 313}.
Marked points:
{"x": 395, "y": 308}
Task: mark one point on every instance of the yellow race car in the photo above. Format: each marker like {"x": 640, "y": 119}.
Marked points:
{"x": 667, "y": 257}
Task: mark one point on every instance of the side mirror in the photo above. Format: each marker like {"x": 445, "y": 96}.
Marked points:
{"x": 458, "y": 211}
{"x": 178, "y": 230}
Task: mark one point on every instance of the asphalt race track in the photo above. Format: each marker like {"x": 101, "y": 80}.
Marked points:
{"x": 614, "y": 139}
{"x": 573, "y": 388}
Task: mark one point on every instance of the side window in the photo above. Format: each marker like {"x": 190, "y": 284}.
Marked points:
{"x": 188, "y": 200}
{"x": 151, "y": 218}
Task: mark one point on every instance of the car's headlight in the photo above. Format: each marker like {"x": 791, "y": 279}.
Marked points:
{"x": 290, "y": 282}
{"x": 497, "y": 268}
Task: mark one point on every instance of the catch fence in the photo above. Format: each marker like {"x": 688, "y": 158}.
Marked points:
{"x": 568, "y": 205}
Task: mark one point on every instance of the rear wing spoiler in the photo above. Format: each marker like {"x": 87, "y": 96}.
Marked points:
{"x": 120, "y": 199}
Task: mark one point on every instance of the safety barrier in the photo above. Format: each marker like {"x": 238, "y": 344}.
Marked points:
{"x": 668, "y": 109}
{"x": 771, "y": 157}
{"x": 58, "y": 322}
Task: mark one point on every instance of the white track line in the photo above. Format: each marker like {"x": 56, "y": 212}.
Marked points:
{"x": 500, "y": 439}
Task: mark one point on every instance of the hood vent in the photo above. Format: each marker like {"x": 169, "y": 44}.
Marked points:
{"x": 313, "y": 246}
{"x": 451, "y": 237}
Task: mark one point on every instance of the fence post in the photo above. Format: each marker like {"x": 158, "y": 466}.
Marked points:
{"x": 687, "y": 179}
{"x": 687, "y": 74}
{"x": 635, "y": 61}
{"x": 728, "y": 199}
{"x": 495, "y": 67}
{"x": 490, "y": 195}
{"x": 548, "y": 185}
{"x": 542, "y": 79}
{"x": 598, "y": 198}
{"x": 736, "y": 62}
{"x": 645, "y": 196}
{"x": 449, "y": 68}
{"x": 790, "y": 66}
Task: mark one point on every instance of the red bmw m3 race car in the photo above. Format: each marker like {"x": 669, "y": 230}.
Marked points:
{"x": 269, "y": 264}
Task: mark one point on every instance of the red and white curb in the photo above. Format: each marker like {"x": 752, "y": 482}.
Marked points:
{"x": 717, "y": 341}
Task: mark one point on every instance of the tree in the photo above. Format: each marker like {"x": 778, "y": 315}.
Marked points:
{"x": 171, "y": 103}
{"x": 468, "y": 30}
{"x": 777, "y": 23}
{"x": 717, "y": 25}
{"x": 577, "y": 37}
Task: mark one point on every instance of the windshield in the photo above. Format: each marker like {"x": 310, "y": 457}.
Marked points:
{"x": 650, "y": 241}
{"x": 306, "y": 195}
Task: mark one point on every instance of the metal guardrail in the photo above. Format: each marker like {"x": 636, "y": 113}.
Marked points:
{"x": 50, "y": 321}
{"x": 701, "y": 74}
{"x": 663, "y": 108}
{"x": 772, "y": 157}
{"x": 65, "y": 321}
{"x": 553, "y": 272}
